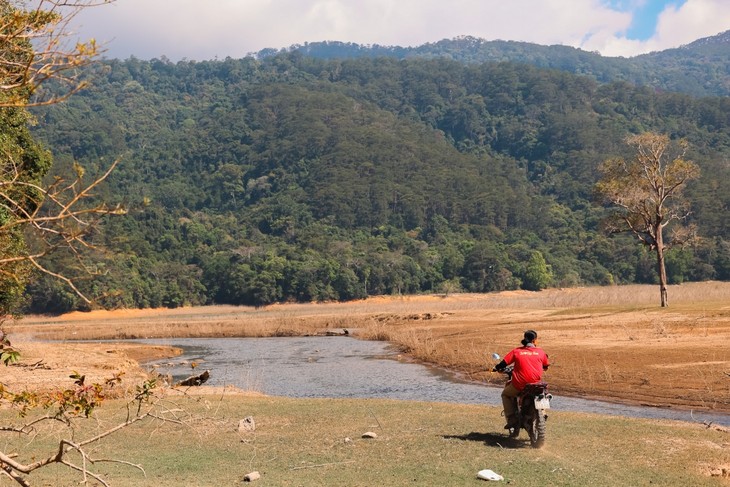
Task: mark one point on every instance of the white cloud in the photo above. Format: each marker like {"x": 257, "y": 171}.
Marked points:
{"x": 203, "y": 30}
{"x": 695, "y": 19}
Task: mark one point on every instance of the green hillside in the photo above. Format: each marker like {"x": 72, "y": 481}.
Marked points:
{"x": 701, "y": 68}
{"x": 297, "y": 178}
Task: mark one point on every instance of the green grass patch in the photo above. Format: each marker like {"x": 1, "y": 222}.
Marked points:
{"x": 316, "y": 442}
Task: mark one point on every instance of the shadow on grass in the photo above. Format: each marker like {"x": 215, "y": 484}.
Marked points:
{"x": 492, "y": 439}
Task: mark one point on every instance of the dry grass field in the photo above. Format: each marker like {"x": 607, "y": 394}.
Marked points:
{"x": 613, "y": 343}
{"x": 318, "y": 442}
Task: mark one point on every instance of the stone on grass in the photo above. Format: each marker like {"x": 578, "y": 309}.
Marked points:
{"x": 246, "y": 424}
{"x": 489, "y": 475}
{"x": 250, "y": 477}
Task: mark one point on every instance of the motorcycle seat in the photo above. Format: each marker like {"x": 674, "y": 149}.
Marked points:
{"x": 535, "y": 388}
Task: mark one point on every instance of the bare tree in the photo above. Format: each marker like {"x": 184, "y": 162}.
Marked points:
{"x": 37, "y": 46}
{"x": 38, "y": 217}
{"x": 646, "y": 192}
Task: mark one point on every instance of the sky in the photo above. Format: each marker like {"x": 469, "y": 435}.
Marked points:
{"x": 215, "y": 29}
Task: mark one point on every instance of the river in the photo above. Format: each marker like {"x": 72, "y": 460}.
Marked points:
{"x": 342, "y": 367}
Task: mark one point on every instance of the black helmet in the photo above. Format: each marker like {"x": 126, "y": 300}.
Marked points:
{"x": 530, "y": 336}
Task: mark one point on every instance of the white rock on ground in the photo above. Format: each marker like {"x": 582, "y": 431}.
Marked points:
{"x": 250, "y": 477}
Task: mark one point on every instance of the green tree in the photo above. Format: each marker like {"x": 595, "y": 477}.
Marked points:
{"x": 537, "y": 275}
{"x": 646, "y": 193}
{"x": 678, "y": 264}
{"x": 485, "y": 269}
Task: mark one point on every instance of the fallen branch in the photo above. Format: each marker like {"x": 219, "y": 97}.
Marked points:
{"x": 33, "y": 366}
{"x": 195, "y": 380}
{"x": 322, "y": 465}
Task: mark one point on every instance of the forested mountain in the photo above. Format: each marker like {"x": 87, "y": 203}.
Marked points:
{"x": 298, "y": 178}
{"x": 701, "y": 68}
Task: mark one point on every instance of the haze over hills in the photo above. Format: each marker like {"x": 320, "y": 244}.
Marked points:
{"x": 313, "y": 175}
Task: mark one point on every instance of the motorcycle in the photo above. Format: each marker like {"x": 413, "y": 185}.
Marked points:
{"x": 532, "y": 406}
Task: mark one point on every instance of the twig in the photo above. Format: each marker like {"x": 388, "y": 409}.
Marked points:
{"x": 376, "y": 419}
{"x": 84, "y": 472}
{"x": 123, "y": 462}
{"x": 10, "y": 473}
{"x": 692, "y": 416}
{"x": 220, "y": 400}
{"x": 321, "y": 465}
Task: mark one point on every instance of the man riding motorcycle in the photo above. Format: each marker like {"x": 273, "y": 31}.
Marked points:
{"x": 529, "y": 363}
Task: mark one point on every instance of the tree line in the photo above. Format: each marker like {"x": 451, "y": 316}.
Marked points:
{"x": 254, "y": 181}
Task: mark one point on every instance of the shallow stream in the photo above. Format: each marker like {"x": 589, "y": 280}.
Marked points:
{"x": 341, "y": 367}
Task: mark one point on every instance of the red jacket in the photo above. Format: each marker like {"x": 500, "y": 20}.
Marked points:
{"x": 530, "y": 361}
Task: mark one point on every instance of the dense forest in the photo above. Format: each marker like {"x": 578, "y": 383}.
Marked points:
{"x": 294, "y": 176}
{"x": 701, "y": 68}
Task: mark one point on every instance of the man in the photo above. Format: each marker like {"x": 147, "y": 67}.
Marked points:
{"x": 529, "y": 363}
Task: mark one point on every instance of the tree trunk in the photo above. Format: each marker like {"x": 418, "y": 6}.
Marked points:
{"x": 661, "y": 269}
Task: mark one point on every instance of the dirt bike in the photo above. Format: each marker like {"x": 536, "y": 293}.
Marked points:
{"x": 532, "y": 405}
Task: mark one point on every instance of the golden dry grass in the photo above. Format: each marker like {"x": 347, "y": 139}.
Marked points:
{"x": 609, "y": 342}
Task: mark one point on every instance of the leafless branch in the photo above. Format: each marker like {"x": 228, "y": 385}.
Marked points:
{"x": 38, "y": 48}
{"x": 16, "y": 469}
{"x": 59, "y": 222}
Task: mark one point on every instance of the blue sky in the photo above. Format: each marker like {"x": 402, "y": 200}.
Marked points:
{"x": 210, "y": 29}
{"x": 645, "y": 18}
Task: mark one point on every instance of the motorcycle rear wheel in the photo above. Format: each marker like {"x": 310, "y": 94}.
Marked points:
{"x": 536, "y": 429}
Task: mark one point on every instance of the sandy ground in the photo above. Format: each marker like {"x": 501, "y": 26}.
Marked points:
{"x": 45, "y": 366}
{"x": 611, "y": 343}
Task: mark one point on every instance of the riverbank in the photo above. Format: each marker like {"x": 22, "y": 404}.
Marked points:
{"x": 611, "y": 343}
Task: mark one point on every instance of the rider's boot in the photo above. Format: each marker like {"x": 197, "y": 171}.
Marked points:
{"x": 513, "y": 426}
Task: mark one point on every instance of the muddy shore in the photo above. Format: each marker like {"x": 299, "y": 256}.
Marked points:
{"x": 613, "y": 343}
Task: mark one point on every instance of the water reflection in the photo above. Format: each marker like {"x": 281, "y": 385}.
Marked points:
{"x": 339, "y": 367}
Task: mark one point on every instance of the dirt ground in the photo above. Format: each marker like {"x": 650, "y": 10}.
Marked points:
{"x": 612, "y": 343}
